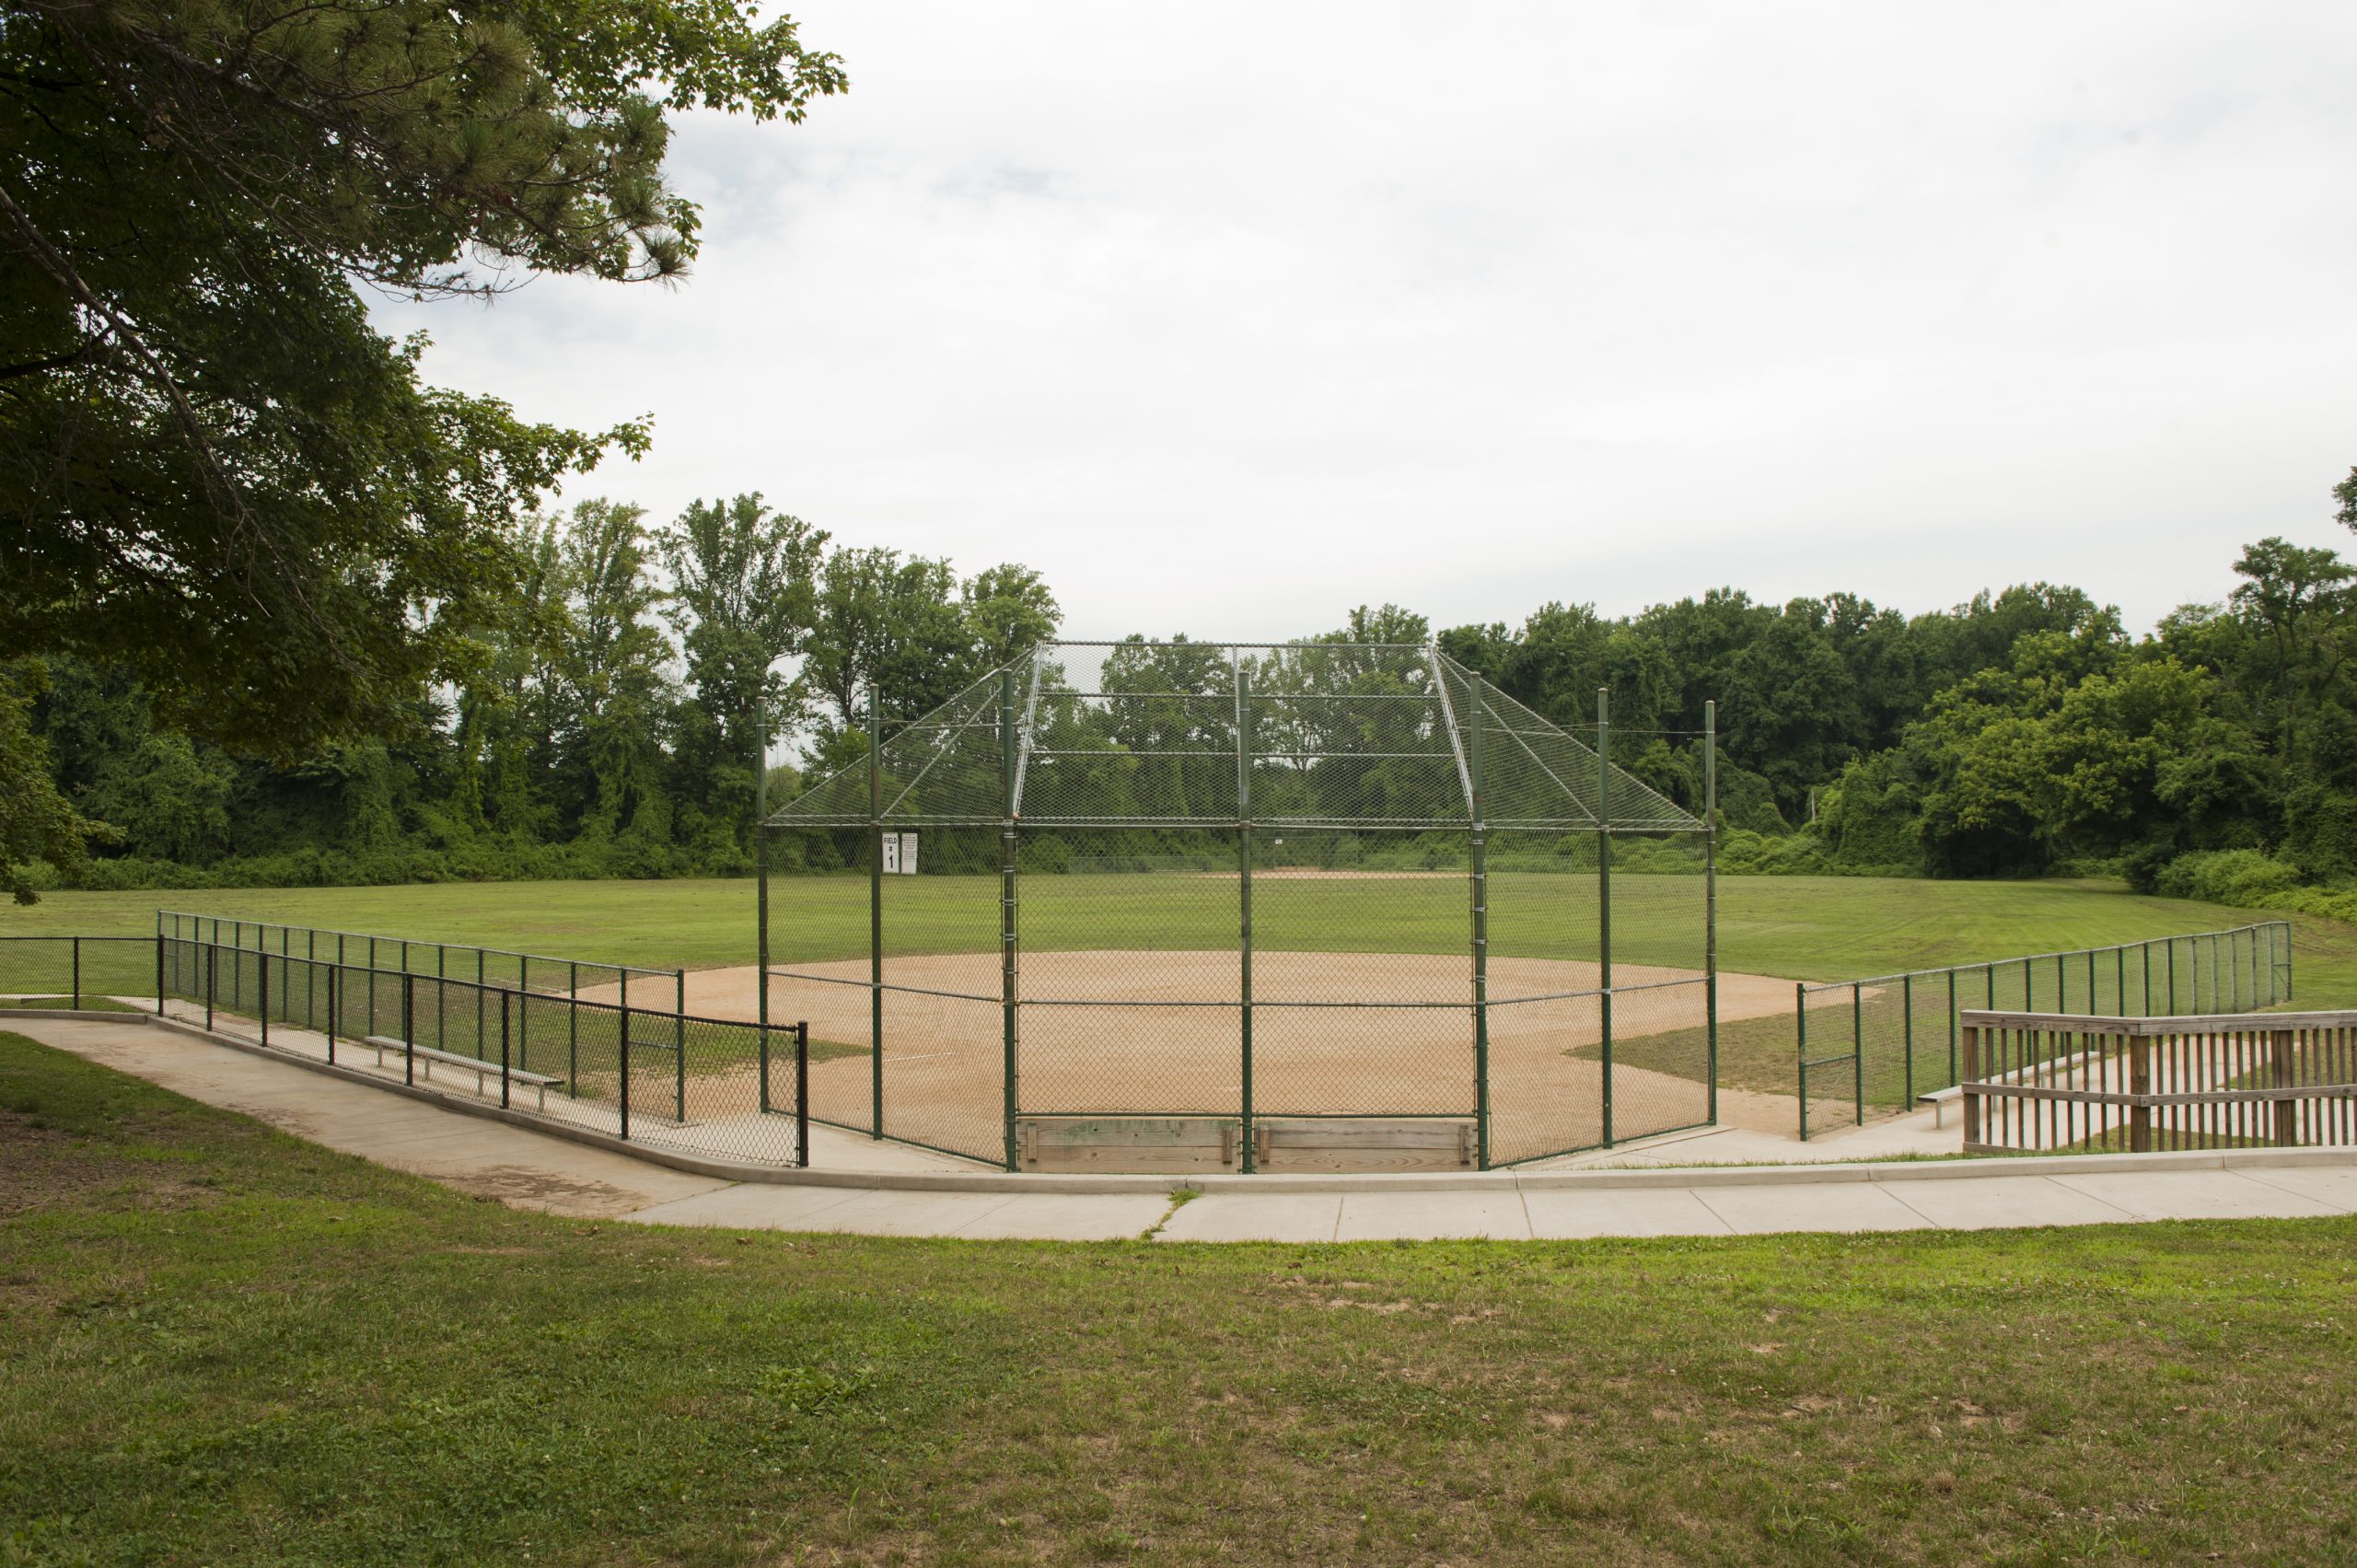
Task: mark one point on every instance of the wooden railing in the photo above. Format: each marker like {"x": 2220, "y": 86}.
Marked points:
{"x": 2062, "y": 1081}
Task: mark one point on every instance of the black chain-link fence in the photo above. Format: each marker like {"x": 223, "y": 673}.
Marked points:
{"x": 618, "y": 983}
{"x": 724, "y": 1088}
{"x": 74, "y": 971}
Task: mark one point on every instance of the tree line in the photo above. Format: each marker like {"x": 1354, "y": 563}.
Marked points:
{"x": 611, "y": 723}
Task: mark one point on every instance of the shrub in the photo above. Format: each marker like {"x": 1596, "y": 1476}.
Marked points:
{"x": 2241, "y": 876}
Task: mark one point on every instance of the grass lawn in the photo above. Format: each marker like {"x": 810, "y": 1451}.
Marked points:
{"x": 1799, "y": 928}
{"x": 225, "y": 1346}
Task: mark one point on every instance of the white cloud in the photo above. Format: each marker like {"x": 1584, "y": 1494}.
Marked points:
{"x": 1230, "y": 317}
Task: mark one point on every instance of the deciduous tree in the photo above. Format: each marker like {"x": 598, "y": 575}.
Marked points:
{"x": 212, "y": 467}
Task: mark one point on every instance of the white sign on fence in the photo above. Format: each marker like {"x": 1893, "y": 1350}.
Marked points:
{"x": 900, "y": 855}
{"x": 908, "y": 855}
{"x": 891, "y": 854}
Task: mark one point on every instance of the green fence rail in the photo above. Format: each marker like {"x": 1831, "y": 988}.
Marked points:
{"x": 1879, "y": 1043}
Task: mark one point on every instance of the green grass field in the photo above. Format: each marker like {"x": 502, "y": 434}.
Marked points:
{"x": 225, "y": 1346}
{"x": 1797, "y": 927}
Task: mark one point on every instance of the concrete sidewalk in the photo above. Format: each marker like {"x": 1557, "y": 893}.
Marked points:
{"x": 895, "y": 1196}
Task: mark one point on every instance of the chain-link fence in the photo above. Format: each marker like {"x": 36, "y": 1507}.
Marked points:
{"x": 1194, "y": 906}
{"x": 724, "y": 1088}
{"x": 76, "y": 971}
{"x": 1860, "y": 1048}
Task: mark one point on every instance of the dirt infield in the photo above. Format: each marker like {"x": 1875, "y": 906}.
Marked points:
{"x": 1333, "y": 1033}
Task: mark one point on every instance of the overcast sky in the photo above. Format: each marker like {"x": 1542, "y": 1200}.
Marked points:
{"x": 1227, "y": 318}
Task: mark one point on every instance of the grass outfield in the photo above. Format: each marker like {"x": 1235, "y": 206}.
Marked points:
{"x": 1798, "y": 927}
{"x": 223, "y": 1345}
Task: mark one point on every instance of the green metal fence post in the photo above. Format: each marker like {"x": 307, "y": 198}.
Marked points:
{"x": 504, "y": 996}
{"x": 1952, "y": 1012}
{"x": 1603, "y": 891}
{"x": 876, "y": 913}
{"x": 1248, "y": 1158}
{"x": 261, "y": 986}
{"x": 159, "y": 959}
{"x": 625, "y": 1048}
{"x": 1907, "y": 1002}
{"x": 1008, "y": 933}
{"x": 1478, "y": 886}
{"x": 571, "y": 1031}
{"x": 212, "y": 980}
{"x": 409, "y": 1028}
{"x": 2286, "y": 931}
{"x": 802, "y": 1093}
{"x": 78, "y": 974}
{"x": 2170, "y": 954}
{"x": 1857, "y": 1050}
{"x": 679, "y": 1048}
{"x": 1711, "y": 900}
{"x": 1800, "y": 1051}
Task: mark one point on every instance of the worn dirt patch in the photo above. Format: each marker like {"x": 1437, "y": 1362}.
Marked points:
{"x": 521, "y": 1187}
{"x": 43, "y": 1167}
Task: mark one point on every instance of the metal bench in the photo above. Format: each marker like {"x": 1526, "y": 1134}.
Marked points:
{"x": 483, "y": 1071}
{"x": 1939, "y": 1100}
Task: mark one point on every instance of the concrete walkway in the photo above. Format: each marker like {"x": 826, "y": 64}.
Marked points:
{"x": 895, "y": 1196}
